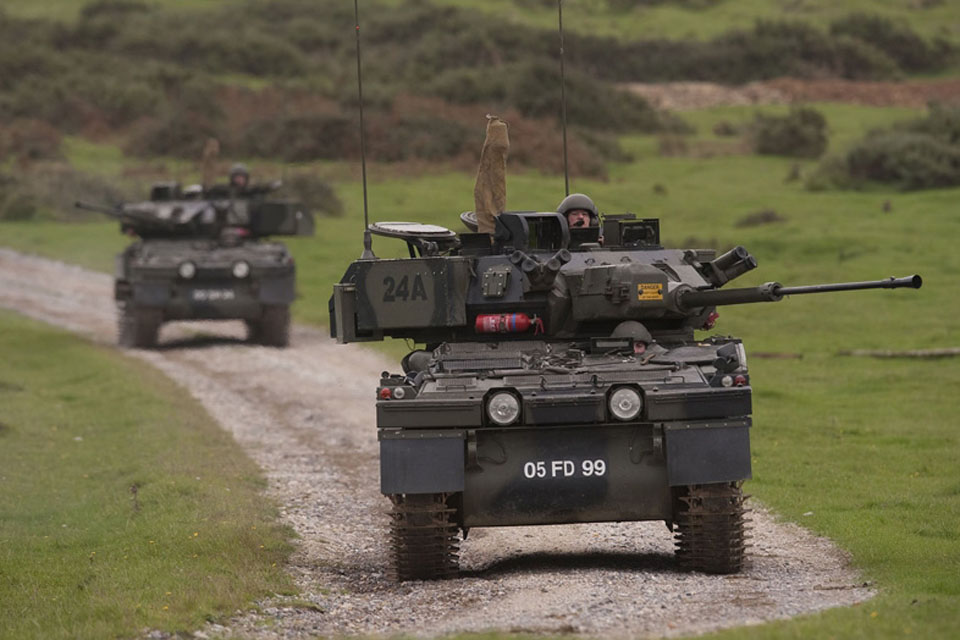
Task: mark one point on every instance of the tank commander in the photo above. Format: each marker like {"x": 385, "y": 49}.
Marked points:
{"x": 579, "y": 210}
{"x": 239, "y": 178}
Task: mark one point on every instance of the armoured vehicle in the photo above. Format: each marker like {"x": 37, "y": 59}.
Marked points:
{"x": 203, "y": 255}
{"x": 561, "y": 382}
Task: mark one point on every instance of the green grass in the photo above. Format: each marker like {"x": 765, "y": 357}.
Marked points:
{"x": 81, "y": 556}
{"x": 673, "y": 20}
{"x": 667, "y": 20}
{"x": 868, "y": 446}
{"x": 68, "y": 10}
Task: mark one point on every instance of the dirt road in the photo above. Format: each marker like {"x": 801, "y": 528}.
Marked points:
{"x": 306, "y": 415}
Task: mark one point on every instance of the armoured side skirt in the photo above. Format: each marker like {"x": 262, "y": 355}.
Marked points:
{"x": 547, "y": 475}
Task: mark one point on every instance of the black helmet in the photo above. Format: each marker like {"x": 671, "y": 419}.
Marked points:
{"x": 632, "y": 329}
{"x": 239, "y": 170}
{"x": 579, "y": 201}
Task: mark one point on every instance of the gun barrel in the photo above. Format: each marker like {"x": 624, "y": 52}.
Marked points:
{"x": 113, "y": 212}
{"x": 774, "y": 291}
{"x": 910, "y": 282}
{"x": 692, "y": 298}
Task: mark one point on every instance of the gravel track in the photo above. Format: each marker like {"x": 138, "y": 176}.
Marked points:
{"x": 306, "y": 415}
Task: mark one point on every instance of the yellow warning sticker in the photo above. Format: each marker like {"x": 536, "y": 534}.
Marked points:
{"x": 650, "y": 291}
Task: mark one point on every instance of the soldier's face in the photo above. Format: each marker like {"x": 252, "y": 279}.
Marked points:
{"x": 578, "y": 218}
{"x": 239, "y": 180}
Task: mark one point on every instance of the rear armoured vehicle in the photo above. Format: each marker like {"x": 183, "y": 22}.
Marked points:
{"x": 561, "y": 382}
{"x": 203, "y": 255}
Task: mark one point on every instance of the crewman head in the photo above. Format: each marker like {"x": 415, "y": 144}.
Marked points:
{"x": 579, "y": 210}
{"x": 239, "y": 176}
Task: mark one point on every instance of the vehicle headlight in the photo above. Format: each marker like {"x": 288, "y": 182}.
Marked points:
{"x": 187, "y": 270}
{"x": 625, "y": 403}
{"x": 503, "y": 408}
{"x": 241, "y": 269}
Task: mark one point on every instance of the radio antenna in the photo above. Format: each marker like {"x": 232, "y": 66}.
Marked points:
{"x": 367, "y": 237}
{"x": 563, "y": 101}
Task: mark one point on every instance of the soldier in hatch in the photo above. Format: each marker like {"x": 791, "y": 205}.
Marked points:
{"x": 239, "y": 179}
{"x": 579, "y": 210}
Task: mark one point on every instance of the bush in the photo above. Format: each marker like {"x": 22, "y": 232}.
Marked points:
{"x": 917, "y": 154}
{"x": 533, "y": 88}
{"x": 317, "y": 194}
{"x": 899, "y": 42}
{"x": 179, "y": 134}
{"x": 905, "y": 160}
{"x": 51, "y": 189}
{"x": 800, "y": 134}
{"x": 941, "y": 122}
{"x": 420, "y": 137}
{"x": 300, "y": 138}
{"x": 112, "y": 9}
{"x": 30, "y": 140}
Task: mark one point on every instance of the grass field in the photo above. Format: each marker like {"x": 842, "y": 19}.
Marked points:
{"x": 690, "y": 20}
{"x": 868, "y": 446}
{"x": 123, "y": 507}
{"x": 708, "y": 18}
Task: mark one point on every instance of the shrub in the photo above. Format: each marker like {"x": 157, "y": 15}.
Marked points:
{"x": 422, "y": 137}
{"x": 800, "y": 134}
{"x": 917, "y": 154}
{"x": 17, "y": 207}
{"x": 112, "y": 9}
{"x": 906, "y": 160}
{"x": 942, "y": 122}
{"x": 899, "y": 42}
{"x": 314, "y": 192}
{"x": 831, "y": 173}
{"x": 180, "y": 134}
{"x": 300, "y": 138}
{"x": 52, "y": 189}
{"x": 31, "y": 140}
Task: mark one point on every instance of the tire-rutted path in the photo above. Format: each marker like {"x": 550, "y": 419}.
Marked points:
{"x": 306, "y": 415}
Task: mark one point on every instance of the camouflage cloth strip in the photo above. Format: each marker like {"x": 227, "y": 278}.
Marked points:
{"x": 490, "y": 191}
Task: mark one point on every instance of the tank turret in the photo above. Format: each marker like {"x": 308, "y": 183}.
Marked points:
{"x": 173, "y": 212}
{"x": 534, "y": 274}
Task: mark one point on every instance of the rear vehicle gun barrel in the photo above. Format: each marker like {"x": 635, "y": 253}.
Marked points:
{"x": 113, "y": 212}
{"x": 774, "y": 291}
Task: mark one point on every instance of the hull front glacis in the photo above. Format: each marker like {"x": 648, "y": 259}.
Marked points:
{"x": 566, "y": 456}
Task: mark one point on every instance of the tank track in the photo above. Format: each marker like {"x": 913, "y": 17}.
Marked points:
{"x": 137, "y": 327}
{"x": 711, "y": 532}
{"x": 425, "y": 540}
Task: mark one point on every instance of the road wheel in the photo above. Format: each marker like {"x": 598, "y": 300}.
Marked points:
{"x": 273, "y": 328}
{"x": 710, "y": 527}
{"x": 426, "y": 540}
{"x": 138, "y": 327}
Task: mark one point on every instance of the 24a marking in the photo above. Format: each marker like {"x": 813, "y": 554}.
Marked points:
{"x": 401, "y": 290}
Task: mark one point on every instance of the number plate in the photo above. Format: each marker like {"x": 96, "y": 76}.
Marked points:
{"x": 534, "y": 469}
{"x": 213, "y": 295}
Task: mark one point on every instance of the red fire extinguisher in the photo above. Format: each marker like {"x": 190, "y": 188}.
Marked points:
{"x": 508, "y": 323}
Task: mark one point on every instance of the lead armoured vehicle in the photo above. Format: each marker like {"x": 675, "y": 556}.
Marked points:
{"x": 203, "y": 255}
{"x": 562, "y": 382}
